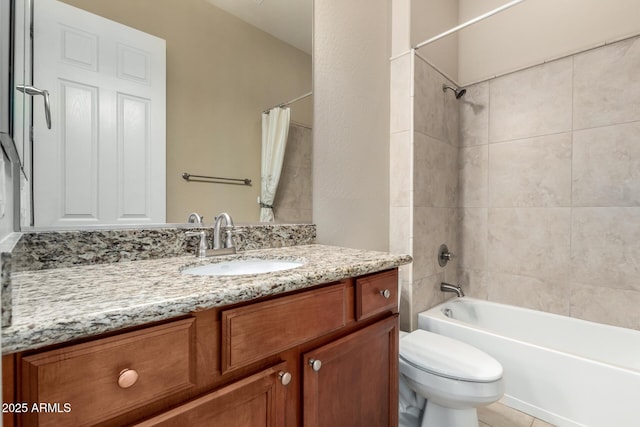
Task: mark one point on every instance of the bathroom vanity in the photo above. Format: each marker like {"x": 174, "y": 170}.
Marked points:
{"x": 315, "y": 345}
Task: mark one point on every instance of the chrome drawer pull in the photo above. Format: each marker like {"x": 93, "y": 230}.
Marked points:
{"x": 386, "y": 293}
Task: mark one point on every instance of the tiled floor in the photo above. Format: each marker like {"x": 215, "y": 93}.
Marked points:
{"x": 500, "y": 415}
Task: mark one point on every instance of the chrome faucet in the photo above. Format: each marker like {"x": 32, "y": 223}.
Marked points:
{"x": 447, "y": 287}
{"x": 219, "y": 248}
{"x": 217, "y": 232}
{"x": 195, "y": 218}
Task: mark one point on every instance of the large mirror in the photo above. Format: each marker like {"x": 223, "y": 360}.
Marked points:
{"x": 227, "y": 61}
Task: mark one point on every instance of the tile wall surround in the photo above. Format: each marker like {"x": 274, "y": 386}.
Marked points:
{"x": 424, "y": 181}
{"x": 538, "y": 195}
{"x": 293, "y": 202}
{"x": 55, "y": 249}
{"x": 549, "y": 187}
{"x": 401, "y": 176}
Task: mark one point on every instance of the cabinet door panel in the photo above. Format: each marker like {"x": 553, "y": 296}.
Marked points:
{"x": 256, "y": 401}
{"x": 357, "y": 383}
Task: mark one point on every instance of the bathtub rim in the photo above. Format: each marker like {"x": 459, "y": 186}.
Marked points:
{"x": 437, "y": 313}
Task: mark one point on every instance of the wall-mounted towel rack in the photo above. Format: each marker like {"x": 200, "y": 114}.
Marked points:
{"x": 216, "y": 179}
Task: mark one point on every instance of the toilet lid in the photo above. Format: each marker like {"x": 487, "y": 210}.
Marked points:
{"x": 446, "y": 357}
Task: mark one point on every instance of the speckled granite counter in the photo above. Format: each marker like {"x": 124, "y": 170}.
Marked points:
{"x": 58, "y": 305}
{"x": 42, "y": 250}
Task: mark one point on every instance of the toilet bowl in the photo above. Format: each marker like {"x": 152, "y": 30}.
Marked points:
{"x": 454, "y": 378}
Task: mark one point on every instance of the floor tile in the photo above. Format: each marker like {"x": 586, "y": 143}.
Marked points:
{"x": 499, "y": 415}
{"x": 540, "y": 423}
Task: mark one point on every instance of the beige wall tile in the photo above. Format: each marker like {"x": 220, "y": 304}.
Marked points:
{"x": 400, "y": 97}
{"x": 606, "y": 166}
{"x": 426, "y": 294}
{"x": 531, "y": 172}
{"x": 475, "y": 283}
{"x": 473, "y": 184}
{"x": 532, "y": 102}
{"x": 530, "y": 241}
{"x": 606, "y": 85}
{"x": 432, "y": 227}
{"x": 293, "y": 201}
{"x": 529, "y": 292}
{"x": 406, "y": 281}
{"x": 605, "y": 247}
{"x": 604, "y": 305}
{"x": 400, "y": 179}
{"x": 451, "y": 117}
{"x": 472, "y": 238}
{"x": 428, "y": 101}
{"x": 400, "y": 230}
{"x": 474, "y": 115}
{"x": 293, "y": 215}
{"x": 435, "y": 172}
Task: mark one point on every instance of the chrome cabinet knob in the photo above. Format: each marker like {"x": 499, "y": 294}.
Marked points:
{"x": 315, "y": 364}
{"x": 386, "y": 293}
{"x": 127, "y": 378}
{"x": 285, "y": 377}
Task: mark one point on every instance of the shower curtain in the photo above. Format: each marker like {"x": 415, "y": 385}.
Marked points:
{"x": 275, "y": 128}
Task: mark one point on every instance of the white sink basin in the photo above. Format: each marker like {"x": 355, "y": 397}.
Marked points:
{"x": 238, "y": 267}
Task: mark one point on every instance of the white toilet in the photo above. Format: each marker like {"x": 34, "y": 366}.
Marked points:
{"x": 454, "y": 378}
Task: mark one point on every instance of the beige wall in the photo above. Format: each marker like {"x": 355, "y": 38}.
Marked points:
{"x": 351, "y": 122}
{"x": 538, "y": 30}
{"x": 430, "y": 18}
{"x": 221, "y": 74}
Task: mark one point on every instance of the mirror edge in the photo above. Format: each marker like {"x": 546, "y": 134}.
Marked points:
{"x": 7, "y": 10}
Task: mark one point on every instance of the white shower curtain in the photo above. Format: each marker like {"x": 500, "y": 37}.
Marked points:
{"x": 275, "y": 128}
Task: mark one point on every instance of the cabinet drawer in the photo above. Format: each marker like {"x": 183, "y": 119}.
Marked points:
{"x": 260, "y": 330}
{"x": 376, "y": 293}
{"x": 89, "y": 377}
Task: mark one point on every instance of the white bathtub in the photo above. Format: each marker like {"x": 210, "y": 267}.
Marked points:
{"x": 566, "y": 371}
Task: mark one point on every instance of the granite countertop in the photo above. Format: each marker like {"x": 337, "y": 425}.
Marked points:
{"x": 58, "y": 305}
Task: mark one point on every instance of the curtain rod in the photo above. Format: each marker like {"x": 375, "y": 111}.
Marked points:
{"x": 284, "y": 104}
{"x": 468, "y": 23}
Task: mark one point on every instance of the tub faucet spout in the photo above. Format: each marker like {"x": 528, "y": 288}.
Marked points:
{"x": 447, "y": 287}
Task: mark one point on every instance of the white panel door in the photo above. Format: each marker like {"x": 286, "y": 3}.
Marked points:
{"x": 103, "y": 161}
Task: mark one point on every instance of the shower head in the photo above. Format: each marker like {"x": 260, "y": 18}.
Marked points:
{"x": 459, "y": 92}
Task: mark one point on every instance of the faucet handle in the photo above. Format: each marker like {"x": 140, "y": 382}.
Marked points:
{"x": 444, "y": 256}
{"x": 228, "y": 241}
{"x": 201, "y": 251}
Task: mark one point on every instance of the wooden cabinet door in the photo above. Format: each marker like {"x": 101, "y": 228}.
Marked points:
{"x": 357, "y": 380}
{"x": 256, "y": 401}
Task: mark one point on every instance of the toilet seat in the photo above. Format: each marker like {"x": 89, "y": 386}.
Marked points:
{"x": 445, "y": 357}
